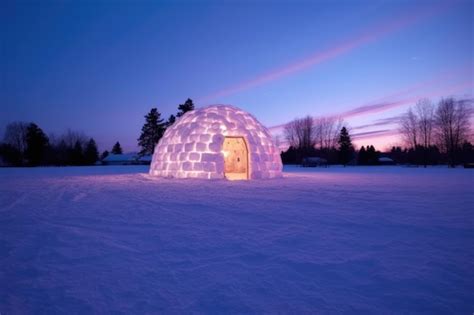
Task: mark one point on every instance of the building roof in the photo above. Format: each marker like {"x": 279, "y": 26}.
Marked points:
{"x": 127, "y": 157}
{"x": 385, "y": 159}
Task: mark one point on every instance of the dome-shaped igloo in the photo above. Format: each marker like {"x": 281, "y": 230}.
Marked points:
{"x": 218, "y": 141}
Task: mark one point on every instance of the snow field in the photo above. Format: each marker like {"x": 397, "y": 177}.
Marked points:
{"x": 338, "y": 240}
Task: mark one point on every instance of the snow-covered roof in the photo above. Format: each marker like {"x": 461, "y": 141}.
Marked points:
{"x": 385, "y": 159}
{"x": 120, "y": 157}
{"x": 194, "y": 145}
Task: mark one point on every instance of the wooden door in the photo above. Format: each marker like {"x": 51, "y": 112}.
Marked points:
{"x": 235, "y": 158}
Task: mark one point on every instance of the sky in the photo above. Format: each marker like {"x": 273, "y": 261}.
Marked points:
{"x": 100, "y": 66}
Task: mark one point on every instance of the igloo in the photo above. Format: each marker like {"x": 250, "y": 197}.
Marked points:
{"x": 218, "y": 141}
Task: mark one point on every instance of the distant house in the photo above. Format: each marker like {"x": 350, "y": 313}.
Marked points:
{"x": 386, "y": 161}
{"x": 313, "y": 162}
{"x": 120, "y": 159}
{"x": 126, "y": 159}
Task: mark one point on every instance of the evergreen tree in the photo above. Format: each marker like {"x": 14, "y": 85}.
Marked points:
{"x": 104, "y": 155}
{"x": 77, "y": 154}
{"x": 10, "y": 155}
{"x": 397, "y": 155}
{"x": 117, "y": 149}
{"x": 186, "y": 107}
{"x": 152, "y": 131}
{"x": 372, "y": 155}
{"x": 171, "y": 120}
{"x": 467, "y": 153}
{"x": 91, "y": 154}
{"x": 346, "y": 149}
{"x": 36, "y": 144}
{"x": 62, "y": 153}
{"x": 362, "y": 157}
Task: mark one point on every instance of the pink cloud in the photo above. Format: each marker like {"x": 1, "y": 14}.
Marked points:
{"x": 370, "y": 35}
{"x": 380, "y": 106}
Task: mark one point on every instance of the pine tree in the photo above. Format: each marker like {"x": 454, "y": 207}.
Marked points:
{"x": 171, "y": 120}
{"x": 372, "y": 156}
{"x": 91, "y": 154}
{"x": 117, "y": 149}
{"x": 104, "y": 155}
{"x": 152, "y": 131}
{"x": 36, "y": 144}
{"x": 10, "y": 155}
{"x": 362, "y": 157}
{"x": 346, "y": 149}
{"x": 186, "y": 107}
{"x": 77, "y": 154}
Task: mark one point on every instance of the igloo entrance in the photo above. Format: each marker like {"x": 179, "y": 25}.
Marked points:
{"x": 236, "y": 166}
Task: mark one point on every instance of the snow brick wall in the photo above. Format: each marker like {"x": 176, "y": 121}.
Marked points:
{"x": 193, "y": 146}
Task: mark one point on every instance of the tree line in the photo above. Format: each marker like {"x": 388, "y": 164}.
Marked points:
{"x": 324, "y": 137}
{"x": 26, "y": 144}
{"x": 431, "y": 135}
{"x": 436, "y": 134}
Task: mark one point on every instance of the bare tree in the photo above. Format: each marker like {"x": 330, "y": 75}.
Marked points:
{"x": 326, "y": 132}
{"x": 15, "y": 135}
{"x": 53, "y": 138}
{"x": 319, "y": 127}
{"x": 452, "y": 126}
{"x": 300, "y": 133}
{"x": 70, "y": 138}
{"x": 409, "y": 128}
{"x": 425, "y": 116}
{"x": 337, "y": 124}
{"x": 308, "y": 132}
{"x": 290, "y": 132}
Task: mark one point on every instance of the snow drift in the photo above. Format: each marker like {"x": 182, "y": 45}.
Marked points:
{"x": 96, "y": 240}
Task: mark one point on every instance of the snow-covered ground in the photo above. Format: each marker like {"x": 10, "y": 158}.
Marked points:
{"x": 337, "y": 240}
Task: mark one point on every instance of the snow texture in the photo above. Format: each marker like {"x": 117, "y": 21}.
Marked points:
{"x": 365, "y": 240}
{"x": 192, "y": 146}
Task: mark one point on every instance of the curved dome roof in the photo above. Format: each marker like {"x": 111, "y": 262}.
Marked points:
{"x": 193, "y": 147}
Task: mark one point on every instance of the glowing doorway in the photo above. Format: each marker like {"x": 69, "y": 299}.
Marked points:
{"x": 236, "y": 160}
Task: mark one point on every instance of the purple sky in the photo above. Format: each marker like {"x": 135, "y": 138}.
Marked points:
{"x": 100, "y": 66}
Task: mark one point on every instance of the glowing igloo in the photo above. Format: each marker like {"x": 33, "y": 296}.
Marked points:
{"x": 218, "y": 141}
